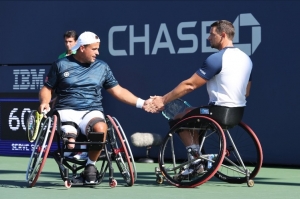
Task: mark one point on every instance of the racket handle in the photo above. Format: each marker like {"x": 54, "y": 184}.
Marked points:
{"x": 44, "y": 112}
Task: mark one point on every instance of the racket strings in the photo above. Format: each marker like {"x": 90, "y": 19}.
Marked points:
{"x": 174, "y": 108}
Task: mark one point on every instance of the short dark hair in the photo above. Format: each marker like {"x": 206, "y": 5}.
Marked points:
{"x": 224, "y": 26}
{"x": 71, "y": 33}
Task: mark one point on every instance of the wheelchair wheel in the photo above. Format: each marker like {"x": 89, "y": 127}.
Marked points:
{"x": 120, "y": 150}
{"x": 128, "y": 148}
{"x": 41, "y": 150}
{"x": 233, "y": 168}
{"x": 173, "y": 157}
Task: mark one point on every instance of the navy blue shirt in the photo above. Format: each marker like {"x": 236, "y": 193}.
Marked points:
{"x": 78, "y": 86}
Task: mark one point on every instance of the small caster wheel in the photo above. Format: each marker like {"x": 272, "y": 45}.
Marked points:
{"x": 68, "y": 184}
{"x": 159, "y": 180}
{"x": 250, "y": 183}
{"x": 113, "y": 183}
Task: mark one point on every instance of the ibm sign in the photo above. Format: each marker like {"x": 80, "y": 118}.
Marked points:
{"x": 28, "y": 79}
{"x": 22, "y": 79}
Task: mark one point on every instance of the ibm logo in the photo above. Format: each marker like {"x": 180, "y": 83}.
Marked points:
{"x": 28, "y": 79}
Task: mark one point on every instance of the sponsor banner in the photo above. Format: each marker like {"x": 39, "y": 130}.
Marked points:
{"x": 22, "y": 79}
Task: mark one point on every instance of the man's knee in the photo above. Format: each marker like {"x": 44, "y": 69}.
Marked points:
{"x": 100, "y": 127}
{"x": 96, "y": 125}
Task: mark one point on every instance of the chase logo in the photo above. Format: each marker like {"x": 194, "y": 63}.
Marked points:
{"x": 247, "y": 20}
{"x": 172, "y": 42}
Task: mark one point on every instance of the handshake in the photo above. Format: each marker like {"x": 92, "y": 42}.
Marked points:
{"x": 154, "y": 104}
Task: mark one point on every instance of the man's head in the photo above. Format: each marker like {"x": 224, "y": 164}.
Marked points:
{"x": 221, "y": 34}
{"x": 70, "y": 38}
{"x": 87, "y": 47}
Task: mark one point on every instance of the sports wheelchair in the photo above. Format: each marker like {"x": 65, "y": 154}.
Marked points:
{"x": 116, "y": 148}
{"x": 229, "y": 149}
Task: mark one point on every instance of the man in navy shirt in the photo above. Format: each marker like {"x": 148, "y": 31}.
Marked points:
{"x": 225, "y": 73}
{"x": 78, "y": 81}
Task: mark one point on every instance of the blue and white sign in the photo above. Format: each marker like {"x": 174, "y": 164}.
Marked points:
{"x": 22, "y": 79}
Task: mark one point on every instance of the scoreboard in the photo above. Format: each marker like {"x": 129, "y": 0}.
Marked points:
{"x": 20, "y": 85}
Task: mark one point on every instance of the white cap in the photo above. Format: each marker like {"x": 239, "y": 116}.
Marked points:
{"x": 86, "y": 38}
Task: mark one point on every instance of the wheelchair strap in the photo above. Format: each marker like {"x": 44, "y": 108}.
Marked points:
{"x": 71, "y": 123}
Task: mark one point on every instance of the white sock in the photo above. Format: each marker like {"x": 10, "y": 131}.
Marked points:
{"x": 90, "y": 162}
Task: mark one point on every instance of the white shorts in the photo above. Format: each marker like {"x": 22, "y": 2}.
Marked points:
{"x": 81, "y": 118}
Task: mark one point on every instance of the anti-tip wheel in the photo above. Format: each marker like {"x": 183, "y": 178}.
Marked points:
{"x": 250, "y": 183}
{"x": 113, "y": 183}
{"x": 68, "y": 184}
{"x": 159, "y": 180}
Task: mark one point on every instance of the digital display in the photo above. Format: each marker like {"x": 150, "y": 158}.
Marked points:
{"x": 14, "y": 115}
{"x": 13, "y": 118}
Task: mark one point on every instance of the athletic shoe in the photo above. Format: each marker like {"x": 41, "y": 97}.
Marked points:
{"x": 195, "y": 167}
{"x": 81, "y": 156}
{"x": 90, "y": 174}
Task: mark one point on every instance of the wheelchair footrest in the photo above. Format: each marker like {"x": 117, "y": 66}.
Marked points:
{"x": 79, "y": 181}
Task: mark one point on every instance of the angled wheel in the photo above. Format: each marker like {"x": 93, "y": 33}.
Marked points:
{"x": 41, "y": 150}
{"x": 173, "y": 157}
{"x": 128, "y": 147}
{"x": 233, "y": 168}
{"x": 120, "y": 150}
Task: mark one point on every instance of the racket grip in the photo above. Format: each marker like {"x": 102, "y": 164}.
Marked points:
{"x": 44, "y": 112}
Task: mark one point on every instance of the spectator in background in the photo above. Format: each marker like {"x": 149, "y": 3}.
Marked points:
{"x": 70, "y": 38}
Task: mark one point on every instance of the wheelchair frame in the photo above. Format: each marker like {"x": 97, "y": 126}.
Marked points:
{"x": 227, "y": 160}
{"x": 116, "y": 147}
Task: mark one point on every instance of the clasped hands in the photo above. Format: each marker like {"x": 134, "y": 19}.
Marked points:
{"x": 154, "y": 104}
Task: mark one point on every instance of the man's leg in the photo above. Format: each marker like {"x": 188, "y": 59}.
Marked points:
{"x": 189, "y": 138}
{"x": 92, "y": 124}
{"x": 69, "y": 119}
{"x": 191, "y": 141}
{"x": 100, "y": 127}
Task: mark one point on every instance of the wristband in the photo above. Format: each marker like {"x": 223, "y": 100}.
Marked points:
{"x": 140, "y": 103}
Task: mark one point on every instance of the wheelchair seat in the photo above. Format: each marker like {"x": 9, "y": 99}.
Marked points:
{"x": 227, "y": 117}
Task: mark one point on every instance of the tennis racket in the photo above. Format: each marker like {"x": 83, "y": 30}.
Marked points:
{"x": 33, "y": 123}
{"x": 175, "y": 108}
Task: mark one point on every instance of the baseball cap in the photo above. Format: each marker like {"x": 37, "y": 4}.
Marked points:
{"x": 86, "y": 38}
